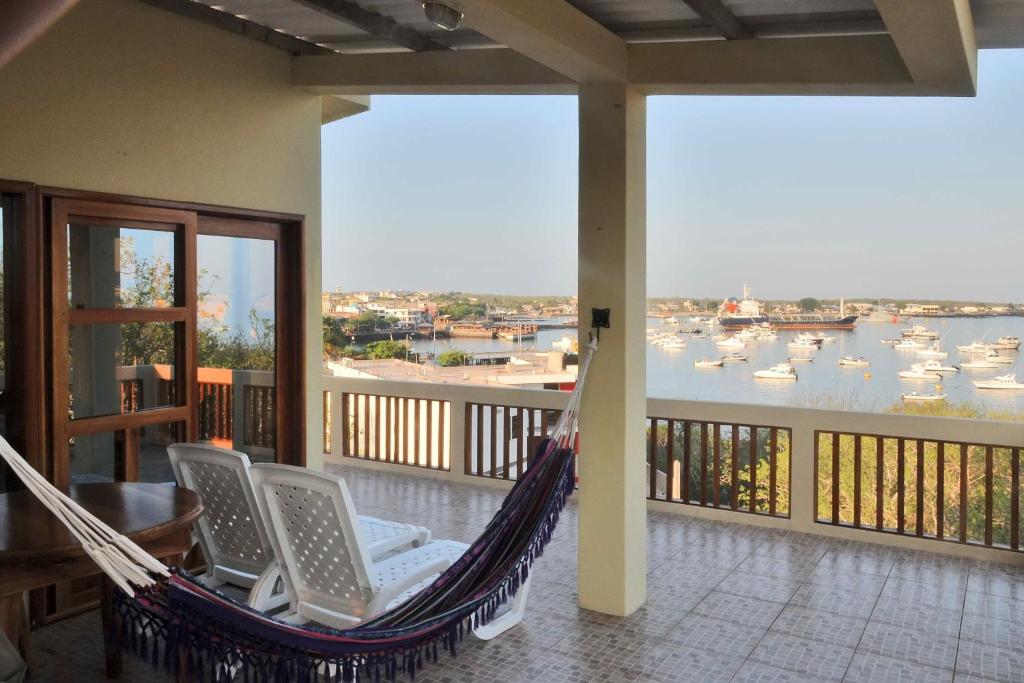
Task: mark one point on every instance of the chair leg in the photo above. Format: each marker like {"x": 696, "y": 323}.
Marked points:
{"x": 268, "y": 593}
{"x": 510, "y": 618}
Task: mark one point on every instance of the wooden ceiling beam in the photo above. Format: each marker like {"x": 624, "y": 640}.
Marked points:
{"x": 375, "y": 24}
{"x": 936, "y": 41}
{"x": 243, "y": 27}
{"x": 553, "y": 33}
{"x": 721, "y": 18}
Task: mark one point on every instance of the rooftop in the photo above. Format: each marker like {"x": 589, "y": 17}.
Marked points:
{"x": 729, "y": 602}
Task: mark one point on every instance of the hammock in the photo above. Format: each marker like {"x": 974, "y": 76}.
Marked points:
{"x": 176, "y": 622}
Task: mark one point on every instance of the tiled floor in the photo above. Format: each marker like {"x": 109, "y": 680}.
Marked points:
{"x": 727, "y": 603}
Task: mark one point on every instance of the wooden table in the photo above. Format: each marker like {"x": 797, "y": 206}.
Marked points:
{"x": 36, "y": 550}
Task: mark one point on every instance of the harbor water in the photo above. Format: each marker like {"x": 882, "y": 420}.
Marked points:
{"x": 821, "y": 383}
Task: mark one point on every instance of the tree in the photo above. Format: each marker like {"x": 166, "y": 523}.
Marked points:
{"x": 386, "y": 349}
{"x": 452, "y": 358}
{"x": 809, "y": 304}
{"x": 464, "y": 309}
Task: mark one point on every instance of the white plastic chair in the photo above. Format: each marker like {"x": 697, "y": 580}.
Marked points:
{"x": 232, "y": 533}
{"x": 325, "y": 566}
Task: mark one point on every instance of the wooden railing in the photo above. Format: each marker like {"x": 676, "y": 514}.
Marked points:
{"x": 766, "y": 465}
{"x": 743, "y": 468}
{"x": 956, "y": 491}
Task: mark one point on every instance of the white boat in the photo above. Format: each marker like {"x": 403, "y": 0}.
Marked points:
{"x": 917, "y": 371}
{"x": 850, "y": 361}
{"x": 565, "y": 344}
{"x": 802, "y": 345}
{"x": 933, "y": 351}
{"x": 735, "y": 358}
{"x": 801, "y": 359}
{"x": 914, "y": 396}
{"x": 780, "y": 371}
{"x": 974, "y": 347}
{"x": 890, "y": 341}
{"x": 708, "y": 363}
{"x": 816, "y": 339}
{"x": 824, "y": 338}
{"x": 936, "y": 366}
{"x": 920, "y": 332}
{"x": 731, "y": 343}
{"x": 907, "y": 343}
{"x": 978, "y": 364}
{"x": 1002, "y": 382}
{"x": 672, "y": 321}
{"x": 1006, "y": 343}
{"x": 673, "y": 344}
{"x": 767, "y": 336}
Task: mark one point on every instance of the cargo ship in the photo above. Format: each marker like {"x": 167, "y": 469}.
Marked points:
{"x": 733, "y": 314}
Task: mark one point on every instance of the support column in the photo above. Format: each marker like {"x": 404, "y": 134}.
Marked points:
{"x": 612, "y": 268}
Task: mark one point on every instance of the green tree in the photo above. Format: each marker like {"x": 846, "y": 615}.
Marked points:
{"x": 462, "y": 310}
{"x": 386, "y": 349}
{"x": 452, "y": 358}
{"x": 809, "y": 304}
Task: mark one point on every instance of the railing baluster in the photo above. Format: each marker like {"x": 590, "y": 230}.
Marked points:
{"x": 717, "y": 463}
{"x": 963, "y": 492}
{"x": 379, "y": 440}
{"x": 734, "y": 474}
{"x": 467, "y": 451}
{"x": 393, "y": 409}
{"x": 703, "y": 463}
{"x": 773, "y": 490}
{"x": 1015, "y": 499}
{"x": 988, "y": 495}
{"x": 479, "y": 440}
{"x": 753, "y": 469}
{"x": 443, "y": 436}
{"x": 345, "y": 447}
{"x": 879, "y": 471}
{"x": 430, "y": 433}
{"x": 529, "y": 433}
{"x": 900, "y": 481}
{"x": 670, "y": 461}
{"x": 856, "y": 480}
{"x": 652, "y": 464}
{"x": 835, "y": 477}
{"x": 493, "y": 453}
{"x": 521, "y": 438}
{"x": 919, "y": 499}
{"x": 506, "y": 434}
{"x": 366, "y": 425}
{"x": 416, "y": 431}
{"x": 687, "y": 448}
{"x": 940, "y": 490}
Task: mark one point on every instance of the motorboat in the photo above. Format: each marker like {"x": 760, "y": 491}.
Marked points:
{"x": 803, "y": 345}
{"x": 780, "y": 371}
{"x": 817, "y": 339}
{"x": 976, "y": 346}
{"x": 890, "y": 341}
{"x": 731, "y": 343}
{"x": 850, "y": 361}
{"x": 937, "y": 366}
{"x": 672, "y": 321}
{"x": 907, "y": 344}
{"x": 735, "y": 358}
{"x": 994, "y": 357}
{"x": 919, "y": 332}
{"x": 978, "y": 364}
{"x": 933, "y": 351}
{"x": 825, "y": 338}
{"x": 672, "y": 344}
{"x": 1006, "y": 343}
{"x": 767, "y": 336}
{"x": 1002, "y": 382}
{"x": 708, "y": 363}
{"x": 801, "y": 359}
{"x": 917, "y": 371}
{"x": 914, "y": 396}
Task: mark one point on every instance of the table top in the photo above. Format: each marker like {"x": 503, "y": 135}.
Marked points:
{"x": 142, "y": 512}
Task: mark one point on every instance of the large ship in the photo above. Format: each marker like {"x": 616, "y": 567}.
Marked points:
{"x": 733, "y": 314}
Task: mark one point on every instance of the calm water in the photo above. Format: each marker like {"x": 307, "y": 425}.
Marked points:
{"x": 823, "y": 383}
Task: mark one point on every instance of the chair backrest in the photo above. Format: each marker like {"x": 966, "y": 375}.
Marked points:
{"x": 231, "y": 532}
{"x": 316, "y": 538}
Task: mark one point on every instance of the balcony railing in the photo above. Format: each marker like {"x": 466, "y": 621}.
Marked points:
{"x": 836, "y": 473}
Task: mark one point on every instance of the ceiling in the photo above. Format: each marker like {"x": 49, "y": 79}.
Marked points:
{"x": 367, "y": 26}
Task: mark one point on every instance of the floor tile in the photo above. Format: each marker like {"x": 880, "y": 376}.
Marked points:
{"x": 871, "y": 668}
{"x": 738, "y": 609}
{"x": 927, "y": 649}
{"x": 986, "y": 661}
{"x": 809, "y": 657}
{"x": 762, "y": 587}
{"x": 835, "y": 601}
{"x": 938, "y": 620}
{"x": 817, "y": 625}
{"x": 997, "y": 632}
{"x": 756, "y": 672}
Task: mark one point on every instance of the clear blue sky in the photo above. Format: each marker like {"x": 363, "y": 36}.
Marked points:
{"x": 799, "y": 196}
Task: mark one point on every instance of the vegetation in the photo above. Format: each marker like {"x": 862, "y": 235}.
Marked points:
{"x": 809, "y": 304}
{"x": 462, "y": 310}
{"x": 386, "y": 349}
{"x": 453, "y": 358}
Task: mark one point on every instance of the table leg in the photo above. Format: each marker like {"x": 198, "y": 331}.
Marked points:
{"x": 14, "y": 624}
{"x": 111, "y": 645}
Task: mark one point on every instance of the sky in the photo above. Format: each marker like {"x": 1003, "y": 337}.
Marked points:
{"x": 795, "y": 196}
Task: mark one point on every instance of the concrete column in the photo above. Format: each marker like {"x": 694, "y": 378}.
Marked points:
{"x": 612, "y": 267}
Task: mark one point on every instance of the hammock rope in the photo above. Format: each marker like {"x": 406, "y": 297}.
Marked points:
{"x": 215, "y": 637}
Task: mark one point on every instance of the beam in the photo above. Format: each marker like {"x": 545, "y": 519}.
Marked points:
{"x": 612, "y": 513}
{"x": 375, "y": 24}
{"x": 494, "y": 71}
{"x": 22, "y": 22}
{"x": 936, "y": 41}
{"x": 243, "y": 27}
{"x": 721, "y": 18}
{"x": 553, "y": 33}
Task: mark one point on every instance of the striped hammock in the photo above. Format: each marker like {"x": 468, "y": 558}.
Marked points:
{"x": 197, "y": 632}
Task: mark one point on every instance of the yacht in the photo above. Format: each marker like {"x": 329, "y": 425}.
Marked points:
{"x": 919, "y": 332}
{"x": 825, "y": 338}
{"x": 802, "y": 345}
{"x": 673, "y": 344}
{"x": 1002, "y": 382}
{"x": 850, "y": 361}
{"x": 673, "y": 321}
{"x": 917, "y": 371}
{"x": 817, "y": 339}
{"x": 780, "y": 371}
{"x": 994, "y": 357}
{"x": 906, "y": 343}
{"x": 933, "y": 351}
{"x": 731, "y": 343}
{"x": 735, "y": 358}
{"x": 879, "y": 315}
{"x": 801, "y": 359}
{"x": 936, "y": 366}
{"x": 976, "y": 346}
{"x": 914, "y": 396}
{"x": 1006, "y": 343}
{"x": 979, "y": 364}
{"x": 708, "y": 363}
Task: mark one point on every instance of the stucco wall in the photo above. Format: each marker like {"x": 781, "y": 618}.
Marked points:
{"x": 126, "y": 98}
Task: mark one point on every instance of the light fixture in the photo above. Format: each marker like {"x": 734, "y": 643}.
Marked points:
{"x": 443, "y": 15}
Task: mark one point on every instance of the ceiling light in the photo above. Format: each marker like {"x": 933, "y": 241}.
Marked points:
{"x": 443, "y": 15}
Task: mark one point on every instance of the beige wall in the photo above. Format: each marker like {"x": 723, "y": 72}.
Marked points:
{"x": 122, "y": 97}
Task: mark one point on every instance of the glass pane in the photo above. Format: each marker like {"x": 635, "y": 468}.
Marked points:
{"x": 121, "y": 368}
{"x": 120, "y": 267}
{"x": 108, "y": 456}
{"x": 237, "y": 345}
